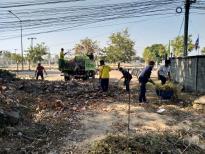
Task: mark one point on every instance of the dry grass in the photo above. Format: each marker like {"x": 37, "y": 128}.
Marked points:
{"x": 144, "y": 144}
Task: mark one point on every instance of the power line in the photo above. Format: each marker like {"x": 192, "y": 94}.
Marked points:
{"x": 26, "y": 3}
{"x": 49, "y": 19}
{"x": 78, "y": 27}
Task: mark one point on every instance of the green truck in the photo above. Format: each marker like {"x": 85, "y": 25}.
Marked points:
{"x": 80, "y": 67}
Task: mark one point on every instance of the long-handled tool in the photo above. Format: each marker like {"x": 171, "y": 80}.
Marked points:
{"x": 128, "y": 117}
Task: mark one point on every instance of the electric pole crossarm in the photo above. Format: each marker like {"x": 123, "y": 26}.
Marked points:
{"x": 31, "y": 38}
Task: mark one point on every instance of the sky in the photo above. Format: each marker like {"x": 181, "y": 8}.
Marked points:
{"x": 144, "y": 31}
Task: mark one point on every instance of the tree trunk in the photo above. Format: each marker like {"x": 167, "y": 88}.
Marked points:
{"x": 29, "y": 65}
{"x": 17, "y": 66}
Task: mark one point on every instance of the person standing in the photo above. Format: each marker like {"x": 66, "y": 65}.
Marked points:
{"x": 39, "y": 71}
{"x": 61, "y": 59}
{"x": 144, "y": 77}
{"x": 104, "y": 75}
{"x": 127, "y": 76}
{"x": 164, "y": 72}
{"x": 62, "y": 54}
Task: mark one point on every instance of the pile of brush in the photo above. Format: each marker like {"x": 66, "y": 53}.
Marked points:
{"x": 167, "y": 91}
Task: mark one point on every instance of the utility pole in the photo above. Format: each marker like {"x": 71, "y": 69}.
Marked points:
{"x": 29, "y": 61}
{"x": 31, "y": 38}
{"x": 15, "y": 50}
{"x": 186, "y": 24}
{"x": 49, "y": 59}
{"x": 14, "y": 53}
{"x": 169, "y": 48}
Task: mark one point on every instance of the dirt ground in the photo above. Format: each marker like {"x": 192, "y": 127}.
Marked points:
{"x": 88, "y": 115}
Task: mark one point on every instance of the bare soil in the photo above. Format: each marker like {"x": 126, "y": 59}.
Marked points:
{"x": 88, "y": 115}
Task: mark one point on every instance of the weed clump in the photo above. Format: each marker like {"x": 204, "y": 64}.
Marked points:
{"x": 144, "y": 144}
{"x": 168, "y": 87}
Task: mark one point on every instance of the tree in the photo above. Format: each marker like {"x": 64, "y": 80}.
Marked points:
{"x": 203, "y": 50}
{"x": 29, "y": 58}
{"x": 156, "y": 52}
{"x": 86, "y": 46}
{"x": 121, "y": 47}
{"x": 178, "y": 45}
{"x": 36, "y": 54}
{"x": 7, "y": 56}
{"x": 17, "y": 58}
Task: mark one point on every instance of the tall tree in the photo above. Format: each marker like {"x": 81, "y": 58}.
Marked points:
{"x": 120, "y": 48}
{"x": 156, "y": 52}
{"x": 17, "y": 58}
{"x": 178, "y": 45}
{"x": 36, "y": 54}
{"x": 86, "y": 46}
{"x": 29, "y": 57}
{"x": 203, "y": 50}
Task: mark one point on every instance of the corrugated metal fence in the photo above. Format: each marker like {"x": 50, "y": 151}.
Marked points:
{"x": 190, "y": 72}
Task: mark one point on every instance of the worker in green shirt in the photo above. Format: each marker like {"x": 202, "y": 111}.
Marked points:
{"x": 62, "y": 53}
{"x": 61, "y": 59}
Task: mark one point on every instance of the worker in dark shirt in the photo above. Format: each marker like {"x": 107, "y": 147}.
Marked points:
{"x": 127, "y": 76}
{"x": 144, "y": 77}
{"x": 39, "y": 71}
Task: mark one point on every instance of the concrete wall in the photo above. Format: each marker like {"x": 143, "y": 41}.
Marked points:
{"x": 190, "y": 72}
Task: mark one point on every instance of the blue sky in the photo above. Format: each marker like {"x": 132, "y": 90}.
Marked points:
{"x": 144, "y": 31}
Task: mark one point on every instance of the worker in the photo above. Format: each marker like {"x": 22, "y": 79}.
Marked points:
{"x": 144, "y": 77}
{"x": 61, "y": 59}
{"x": 127, "y": 76}
{"x": 39, "y": 71}
{"x": 164, "y": 72}
{"x": 104, "y": 75}
{"x": 62, "y": 54}
{"x": 91, "y": 56}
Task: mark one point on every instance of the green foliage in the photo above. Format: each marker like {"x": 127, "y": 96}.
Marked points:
{"x": 36, "y": 54}
{"x": 16, "y": 57}
{"x": 156, "y": 52}
{"x": 178, "y": 45}
{"x": 7, "y": 54}
{"x": 121, "y": 47}
{"x": 86, "y": 46}
{"x": 203, "y": 50}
